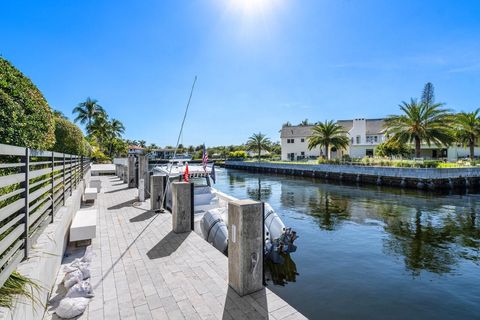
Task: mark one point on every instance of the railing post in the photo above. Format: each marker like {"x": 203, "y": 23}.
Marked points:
{"x": 26, "y": 185}
{"x": 81, "y": 167}
{"x": 72, "y": 181}
{"x": 53, "y": 187}
{"x": 245, "y": 246}
{"x": 63, "y": 194}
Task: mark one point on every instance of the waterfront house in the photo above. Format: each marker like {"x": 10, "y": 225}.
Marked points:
{"x": 365, "y": 135}
{"x": 135, "y": 150}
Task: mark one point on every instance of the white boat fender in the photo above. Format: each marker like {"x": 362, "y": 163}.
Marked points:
{"x": 273, "y": 223}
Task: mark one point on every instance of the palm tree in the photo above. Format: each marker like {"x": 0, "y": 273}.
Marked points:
{"x": 328, "y": 134}
{"x": 420, "y": 122}
{"x": 142, "y": 143}
{"x": 115, "y": 129}
{"x": 468, "y": 129}
{"x": 100, "y": 128}
{"x": 258, "y": 142}
{"x": 304, "y": 123}
{"x": 87, "y": 112}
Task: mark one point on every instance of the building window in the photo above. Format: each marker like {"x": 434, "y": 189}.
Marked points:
{"x": 375, "y": 138}
{"x": 290, "y": 140}
{"x": 302, "y": 140}
{"x": 369, "y": 152}
{"x": 358, "y": 139}
{"x": 302, "y": 153}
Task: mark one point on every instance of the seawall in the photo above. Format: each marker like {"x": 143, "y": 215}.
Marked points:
{"x": 419, "y": 178}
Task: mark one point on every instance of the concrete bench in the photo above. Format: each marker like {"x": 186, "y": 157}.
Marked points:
{"x": 84, "y": 225}
{"x": 97, "y": 184}
{"x": 90, "y": 194}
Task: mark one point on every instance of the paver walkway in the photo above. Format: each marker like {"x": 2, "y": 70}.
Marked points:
{"x": 142, "y": 270}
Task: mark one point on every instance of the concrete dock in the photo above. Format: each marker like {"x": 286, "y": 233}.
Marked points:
{"x": 142, "y": 270}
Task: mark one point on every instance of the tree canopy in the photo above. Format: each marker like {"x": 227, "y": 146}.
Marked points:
{"x": 25, "y": 118}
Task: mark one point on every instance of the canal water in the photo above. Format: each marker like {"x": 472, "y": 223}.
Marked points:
{"x": 370, "y": 252}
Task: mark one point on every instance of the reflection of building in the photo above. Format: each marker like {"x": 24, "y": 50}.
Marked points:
{"x": 364, "y": 135}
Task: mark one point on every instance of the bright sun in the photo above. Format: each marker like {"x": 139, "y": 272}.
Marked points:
{"x": 252, "y": 7}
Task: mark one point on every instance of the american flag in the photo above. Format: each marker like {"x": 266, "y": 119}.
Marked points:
{"x": 204, "y": 158}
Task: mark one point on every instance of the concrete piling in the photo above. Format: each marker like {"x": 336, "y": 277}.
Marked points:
{"x": 245, "y": 246}
{"x": 181, "y": 207}
{"x": 132, "y": 179}
{"x": 156, "y": 192}
{"x": 125, "y": 174}
{"x": 143, "y": 173}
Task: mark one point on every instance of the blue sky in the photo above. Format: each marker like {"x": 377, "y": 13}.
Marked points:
{"x": 259, "y": 63}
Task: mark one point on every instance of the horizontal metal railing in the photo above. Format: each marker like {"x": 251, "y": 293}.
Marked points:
{"x": 34, "y": 184}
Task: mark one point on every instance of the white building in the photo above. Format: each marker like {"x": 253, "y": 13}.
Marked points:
{"x": 135, "y": 150}
{"x": 364, "y": 135}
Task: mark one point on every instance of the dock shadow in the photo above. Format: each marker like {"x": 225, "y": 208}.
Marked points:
{"x": 116, "y": 190}
{"x": 235, "y": 305}
{"x": 143, "y": 216}
{"x": 127, "y": 203}
{"x": 168, "y": 245}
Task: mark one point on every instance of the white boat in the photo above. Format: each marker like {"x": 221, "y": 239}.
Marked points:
{"x": 211, "y": 211}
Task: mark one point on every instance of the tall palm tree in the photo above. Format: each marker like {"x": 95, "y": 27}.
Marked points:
{"x": 100, "y": 129}
{"x": 87, "y": 112}
{"x": 114, "y": 130}
{"x": 468, "y": 129}
{"x": 258, "y": 142}
{"x": 328, "y": 134}
{"x": 421, "y": 122}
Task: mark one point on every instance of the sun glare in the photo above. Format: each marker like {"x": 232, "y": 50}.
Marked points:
{"x": 252, "y": 7}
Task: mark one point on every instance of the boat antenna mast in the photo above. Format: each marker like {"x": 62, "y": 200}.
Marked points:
{"x": 178, "y": 140}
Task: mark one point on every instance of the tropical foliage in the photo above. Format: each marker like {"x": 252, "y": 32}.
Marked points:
{"x": 69, "y": 138}
{"x": 258, "y": 142}
{"x": 420, "y": 122}
{"x": 328, "y": 134}
{"x": 468, "y": 129}
{"x": 104, "y": 134}
{"x": 87, "y": 112}
{"x": 392, "y": 148}
{"x": 25, "y": 117}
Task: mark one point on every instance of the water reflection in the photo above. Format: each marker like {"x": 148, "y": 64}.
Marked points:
{"x": 329, "y": 209}
{"x": 281, "y": 274}
{"x": 426, "y": 233}
{"x": 259, "y": 192}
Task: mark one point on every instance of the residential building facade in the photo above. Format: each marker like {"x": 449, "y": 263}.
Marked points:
{"x": 364, "y": 135}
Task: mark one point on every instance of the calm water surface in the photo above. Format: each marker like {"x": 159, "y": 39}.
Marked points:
{"x": 371, "y": 253}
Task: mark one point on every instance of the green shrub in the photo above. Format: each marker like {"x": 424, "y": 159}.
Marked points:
{"x": 69, "y": 138}
{"x": 238, "y": 154}
{"x": 25, "y": 118}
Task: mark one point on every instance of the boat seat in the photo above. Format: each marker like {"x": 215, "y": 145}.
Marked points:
{"x": 90, "y": 194}
{"x": 84, "y": 225}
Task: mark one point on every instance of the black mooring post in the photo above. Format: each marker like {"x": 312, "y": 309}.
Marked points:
{"x": 263, "y": 243}
{"x": 192, "y": 214}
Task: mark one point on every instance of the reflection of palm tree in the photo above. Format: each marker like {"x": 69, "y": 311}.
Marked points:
{"x": 260, "y": 193}
{"x": 424, "y": 245}
{"x": 330, "y": 210}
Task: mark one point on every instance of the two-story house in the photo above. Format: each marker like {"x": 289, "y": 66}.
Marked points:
{"x": 364, "y": 135}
